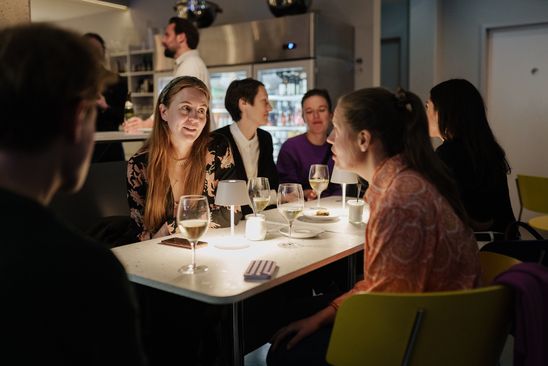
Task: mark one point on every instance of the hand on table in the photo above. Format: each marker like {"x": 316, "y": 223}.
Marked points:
{"x": 102, "y": 103}
{"x": 310, "y": 195}
{"x": 135, "y": 123}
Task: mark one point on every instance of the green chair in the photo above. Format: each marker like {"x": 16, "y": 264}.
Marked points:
{"x": 494, "y": 263}
{"x": 466, "y": 327}
{"x": 533, "y": 196}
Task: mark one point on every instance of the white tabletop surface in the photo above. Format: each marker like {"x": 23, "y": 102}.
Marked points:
{"x": 114, "y": 136}
{"x": 155, "y": 265}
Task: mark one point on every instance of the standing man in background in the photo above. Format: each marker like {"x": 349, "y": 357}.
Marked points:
{"x": 180, "y": 41}
{"x": 66, "y": 299}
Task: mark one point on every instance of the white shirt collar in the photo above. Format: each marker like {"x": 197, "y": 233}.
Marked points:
{"x": 249, "y": 150}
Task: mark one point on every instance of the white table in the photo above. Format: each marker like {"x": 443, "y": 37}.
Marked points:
{"x": 155, "y": 265}
{"x": 119, "y": 136}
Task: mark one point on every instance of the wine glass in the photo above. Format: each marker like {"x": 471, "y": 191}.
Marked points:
{"x": 290, "y": 205}
{"x": 193, "y": 221}
{"x": 259, "y": 193}
{"x": 318, "y": 176}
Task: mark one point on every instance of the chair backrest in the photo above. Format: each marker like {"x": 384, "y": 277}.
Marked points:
{"x": 492, "y": 264}
{"x": 104, "y": 194}
{"x": 439, "y": 328}
{"x": 535, "y": 251}
{"x": 533, "y": 193}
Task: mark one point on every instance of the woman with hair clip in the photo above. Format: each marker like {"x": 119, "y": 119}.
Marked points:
{"x": 179, "y": 158}
{"x": 417, "y": 238}
{"x": 456, "y": 114}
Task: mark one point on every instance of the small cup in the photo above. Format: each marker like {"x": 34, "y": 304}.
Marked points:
{"x": 255, "y": 227}
{"x": 355, "y": 211}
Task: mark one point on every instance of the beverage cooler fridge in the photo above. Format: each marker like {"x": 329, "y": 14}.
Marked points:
{"x": 285, "y": 83}
{"x": 289, "y": 55}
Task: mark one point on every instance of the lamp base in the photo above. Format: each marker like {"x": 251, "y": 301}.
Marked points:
{"x": 231, "y": 246}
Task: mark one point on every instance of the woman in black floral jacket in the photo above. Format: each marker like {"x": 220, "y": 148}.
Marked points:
{"x": 180, "y": 158}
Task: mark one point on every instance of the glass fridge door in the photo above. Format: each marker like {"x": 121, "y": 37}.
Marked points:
{"x": 220, "y": 78}
{"x": 285, "y": 83}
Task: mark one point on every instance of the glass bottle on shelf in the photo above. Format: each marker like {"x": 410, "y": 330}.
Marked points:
{"x": 128, "y": 108}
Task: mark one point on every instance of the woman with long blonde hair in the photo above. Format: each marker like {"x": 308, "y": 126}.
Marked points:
{"x": 179, "y": 158}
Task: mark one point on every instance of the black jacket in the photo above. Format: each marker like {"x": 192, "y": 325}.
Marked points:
{"x": 266, "y": 166}
{"x": 66, "y": 299}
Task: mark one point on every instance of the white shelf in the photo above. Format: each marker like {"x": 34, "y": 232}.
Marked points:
{"x": 140, "y": 73}
{"x": 284, "y": 128}
{"x": 290, "y": 98}
{"x": 141, "y": 52}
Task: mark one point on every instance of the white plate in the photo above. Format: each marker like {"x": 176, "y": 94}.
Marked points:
{"x": 301, "y": 232}
{"x": 310, "y": 215}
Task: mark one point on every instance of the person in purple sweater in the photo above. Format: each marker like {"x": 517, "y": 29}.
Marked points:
{"x": 299, "y": 152}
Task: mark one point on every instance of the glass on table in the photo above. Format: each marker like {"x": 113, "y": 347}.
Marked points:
{"x": 193, "y": 221}
{"x": 318, "y": 177}
{"x": 290, "y": 206}
{"x": 259, "y": 193}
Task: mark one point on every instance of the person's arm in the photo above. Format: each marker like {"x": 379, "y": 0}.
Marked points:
{"x": 303, "y": 328}
{"x": 136, "y": 196}
{"x": 135, "y": 123}
{"x": 223, "y": 168}
{"x": 108, "y": 319}
{"x": 287, "y": 166}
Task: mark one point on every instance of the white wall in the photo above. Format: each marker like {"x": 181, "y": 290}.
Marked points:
{"x": 425, "y": 38}
{"x": 395, "y": 24}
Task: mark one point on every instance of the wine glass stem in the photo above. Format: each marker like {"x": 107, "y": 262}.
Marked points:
{"x": 193, "y": 249}
{"x": 319, "y": 194}
{"x": 290, "y": 225}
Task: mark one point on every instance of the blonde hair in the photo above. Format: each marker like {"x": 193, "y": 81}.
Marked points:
{"x": 160, "y": 152}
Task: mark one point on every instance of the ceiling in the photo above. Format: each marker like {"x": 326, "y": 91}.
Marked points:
{"x": 58, "y": 10}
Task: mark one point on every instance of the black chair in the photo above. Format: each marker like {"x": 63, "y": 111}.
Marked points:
{"x": 525, "y": 250}
{"x": 100, "y": 208}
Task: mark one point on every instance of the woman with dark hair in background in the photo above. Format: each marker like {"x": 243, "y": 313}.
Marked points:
{"x": 298, "y": 153}
{"x": 417, "y": 238}
{"x": 456, "y": 113}
{"x": 110, "y": 107}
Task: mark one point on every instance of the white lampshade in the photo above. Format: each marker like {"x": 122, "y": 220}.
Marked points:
{"x": 343, "y": 176}
{"x": 232, "y": 192}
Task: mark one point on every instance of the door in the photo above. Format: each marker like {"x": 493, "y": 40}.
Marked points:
{"x": 219, "y": 79}
{"x": 517, "y": 98}
{"x": 390, "y": 63}
{"x": 285, "y": 83}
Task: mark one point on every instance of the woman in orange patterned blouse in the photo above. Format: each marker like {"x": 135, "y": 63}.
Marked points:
{"x": 417, "y": 237}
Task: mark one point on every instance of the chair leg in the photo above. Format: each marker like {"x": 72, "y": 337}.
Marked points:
{"x": 413, "y": 337}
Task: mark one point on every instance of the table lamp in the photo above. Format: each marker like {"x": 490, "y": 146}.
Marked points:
{"x": 343, "y": 177}
{"x": 232, "y": 193}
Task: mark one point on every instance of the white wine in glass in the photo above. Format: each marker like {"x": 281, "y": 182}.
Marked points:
{"x": 291, "y": 206}
{"x": 259, "y": 193}
{"x": 318, "y": 177}
{"x": 193, "y": 221}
